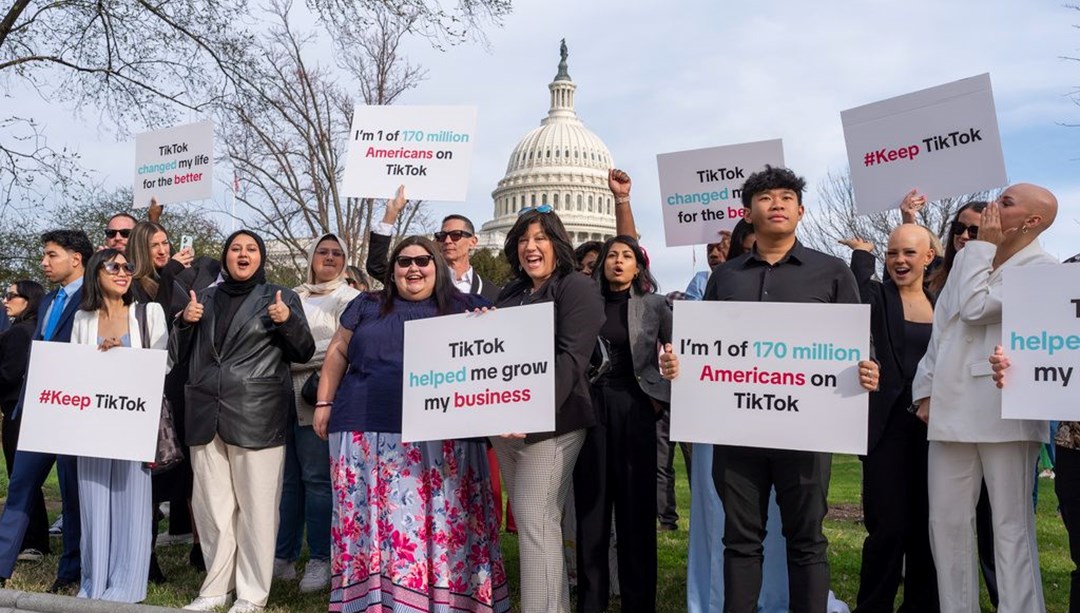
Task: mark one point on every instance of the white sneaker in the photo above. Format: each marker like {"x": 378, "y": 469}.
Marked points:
{"x": 284, "y": 570}
{"x": 57, "y": 527}
{"x": 243, "y": 606}
{"x": 30, "y": 555}
{"x": 167, "y": 540}
{"x": 207, "y": 603}
{"x": 316, "y": 576}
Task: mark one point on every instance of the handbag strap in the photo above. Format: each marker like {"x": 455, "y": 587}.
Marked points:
{"x": 140, "y": 316}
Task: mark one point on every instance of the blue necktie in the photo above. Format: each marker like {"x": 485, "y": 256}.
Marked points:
{"x": 54, "y": 315}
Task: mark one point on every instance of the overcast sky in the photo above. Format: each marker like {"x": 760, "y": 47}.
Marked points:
{"x": 658, "y": 77}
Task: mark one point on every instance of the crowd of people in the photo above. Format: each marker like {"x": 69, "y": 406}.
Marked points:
{"x": 289, "y": 404}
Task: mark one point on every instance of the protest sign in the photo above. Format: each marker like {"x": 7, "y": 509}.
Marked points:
{"x": 758, "y": 374}
{"x": 1040, "y": 334}
{"x": 474, "y": 375}
{"x": 174, "y": 164}
{"x": 428, "y": 149}
{"x": 701, "y": 189}
{"x": 84, "y": 402}
{"x": 943, "y": 141}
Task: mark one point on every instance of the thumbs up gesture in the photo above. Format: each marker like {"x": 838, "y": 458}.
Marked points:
{"x": 192, "y": 313}
{"x": 278, "y": 311}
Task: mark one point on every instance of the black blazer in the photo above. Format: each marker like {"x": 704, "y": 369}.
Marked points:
{"x": 649, "y": 319}
{"x": 14, "y": 360}
{"x": 62, "y": 334}
{"x": 377, "y": 266}
{"x": 244, "y": 393}
{"x": 887, "y": 330}
{"x": 579, "y": 314}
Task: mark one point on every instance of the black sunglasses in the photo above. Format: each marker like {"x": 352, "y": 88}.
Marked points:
{"x": 421, "y": 261}
{"x": 14, "y": 295}
{"x": 125, "y": 232}
{"x": 455, "y": 235}
{"x": 113, "y": 268}
{"x": 959, "y": 228}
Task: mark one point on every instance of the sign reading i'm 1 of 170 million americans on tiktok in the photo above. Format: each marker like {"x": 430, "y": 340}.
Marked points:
{"x": 771, "y": 374}
{"x": 428, "y": 149}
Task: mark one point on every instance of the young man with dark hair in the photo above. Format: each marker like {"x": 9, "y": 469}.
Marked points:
{"x": 778, "y": 269}
{"x": 65, "y": 255}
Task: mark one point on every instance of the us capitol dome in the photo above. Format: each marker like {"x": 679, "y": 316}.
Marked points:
{"x": 561, "y": 164}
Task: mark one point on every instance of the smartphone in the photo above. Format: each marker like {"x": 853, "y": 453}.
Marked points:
{"x": 187, "y": 242}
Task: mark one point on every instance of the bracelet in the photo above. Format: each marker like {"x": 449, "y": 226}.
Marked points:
{"x": 622, "y": 199}
{"x": 324, "y": 403}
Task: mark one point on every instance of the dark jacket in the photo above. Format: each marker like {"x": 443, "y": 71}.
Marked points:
{"x": 377, "y": 266}
{"x": 649, "y": 319}
{"x": 579, "y": 314}
{"x": 244, "y": 393}
{"x": 14, "y": 360}
{"x": 887, "y": 330}
{"x": 62, "y": 334}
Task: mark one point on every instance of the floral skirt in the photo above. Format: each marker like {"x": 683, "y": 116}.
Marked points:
{"x": 413, "y": 527}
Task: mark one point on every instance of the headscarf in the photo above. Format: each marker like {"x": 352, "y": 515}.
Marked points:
{"x": 233, "y": 287}
{"x": 311, "y": 288}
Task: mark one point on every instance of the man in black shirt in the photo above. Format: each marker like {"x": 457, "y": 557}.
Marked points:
{"x": 778, "y": 269}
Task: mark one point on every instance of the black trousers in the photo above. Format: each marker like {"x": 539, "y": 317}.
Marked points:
{"x": 617, "y": 468}
{"x": 984, "y": 539}
{"x": 743, "y": 477}
{"x": 665, "y": 471}
{"x": 895, "y": 512}
{"x": 1067, "y": 486}
{"x": 37, "y": 531}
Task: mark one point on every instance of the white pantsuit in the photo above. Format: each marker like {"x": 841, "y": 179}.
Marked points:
{"x": 537, "y": 477}
{"x": 115, "y": 495}
{"x": 970, "y": 441}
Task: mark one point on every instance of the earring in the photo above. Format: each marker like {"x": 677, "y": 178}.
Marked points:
{"x": 1024, "y": 230}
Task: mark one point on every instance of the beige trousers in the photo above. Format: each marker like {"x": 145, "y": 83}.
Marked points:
{"x": 235, "y": 503}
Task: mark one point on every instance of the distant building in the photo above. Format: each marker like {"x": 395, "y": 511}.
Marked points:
{"x": 561, "y": 164}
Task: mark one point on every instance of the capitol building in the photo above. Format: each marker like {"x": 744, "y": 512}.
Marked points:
{"x": 561, "y": 164}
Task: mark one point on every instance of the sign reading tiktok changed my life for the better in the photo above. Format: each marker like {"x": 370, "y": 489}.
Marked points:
{"x": 1040, "y": 334}
{"x": 772, "y": 375}
{"x": 428, "y": 149}
{"x": 174, "y": 164}
{"x": 701, "y": 190}
{"x": 475, "y": 375}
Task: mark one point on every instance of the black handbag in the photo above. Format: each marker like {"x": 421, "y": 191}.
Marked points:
{"x": 310, "y": 390}
{"x": 170, "y": 452}
{"x": 600, "y": 362}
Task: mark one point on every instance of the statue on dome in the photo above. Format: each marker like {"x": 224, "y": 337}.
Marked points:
{"x": 564, "y": 74}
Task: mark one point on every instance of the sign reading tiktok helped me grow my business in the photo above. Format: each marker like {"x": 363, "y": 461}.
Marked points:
{"x": 100, "y": 404}
{"x": 701, "y": 190}
{"x": 474, "y": 375}
{"x": 175, "y": 164}
{"x": 428, "y": 149}
{"x": 1040, "y": 334}
{"x": 770, "y": 374}
{"x": 943, "y": 141}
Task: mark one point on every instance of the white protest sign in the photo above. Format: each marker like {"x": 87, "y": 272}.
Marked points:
{"x": 175, "y": 164}
{"x": 474, "y": 375}
{"x": 701, "y": 190}
{"x": 1040, "y": 333}
{"x": 84, "y": 402}
{"x": 428, "y": 149}
{"x": 759, "y": 374}
{"x": 943, "y": 141}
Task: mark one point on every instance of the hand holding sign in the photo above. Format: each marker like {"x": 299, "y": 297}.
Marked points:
{"x": 1000, "y": 364}
{"x": 669, "y": 363}
{"x": 193, "y": 311}
{"x": 868, "y": 375}
{"x": 278, "y": 311}
{"x": 912, "y": 203}
{"x": 395, "y": 206}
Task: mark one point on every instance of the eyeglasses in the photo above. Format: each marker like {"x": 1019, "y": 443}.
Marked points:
{"x": 455, "y": 235}
{"x": 114, "y": 268}
{"x": 111, "y": 233}
{"x": 543, "y": 208}
{"x": 13, "y": 295}
{"x": 421, "y": 261}
{"x": 322, "y": 253}
{"x": 959, "y": 228}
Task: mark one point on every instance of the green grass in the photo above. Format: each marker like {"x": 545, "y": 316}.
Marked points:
{"x": 845, "y": 538}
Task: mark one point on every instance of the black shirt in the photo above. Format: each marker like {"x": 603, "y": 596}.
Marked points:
{"x": 802, "y": 275}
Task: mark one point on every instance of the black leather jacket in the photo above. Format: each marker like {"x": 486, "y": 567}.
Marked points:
{"x": 244, "y": 394}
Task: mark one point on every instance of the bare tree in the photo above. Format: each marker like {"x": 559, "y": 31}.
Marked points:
{"x": 441, "y": 25}
{"x": 832, "y": 217}
{"x": 286, "y": 133}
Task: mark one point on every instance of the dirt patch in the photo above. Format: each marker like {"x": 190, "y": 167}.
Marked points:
{"x": 845, "y": 512}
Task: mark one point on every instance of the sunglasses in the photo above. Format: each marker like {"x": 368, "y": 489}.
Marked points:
{"x": 543, "y": 208}
{"x": 959, "y": 228}
{"x": 124, "y": 232}
{"x": 13, "y": 295}
{"x": 114, "y": 268}
{"x": 455, "y": 235}
{"x": 421, "y": 261}
{"x": 322, "y": 253}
